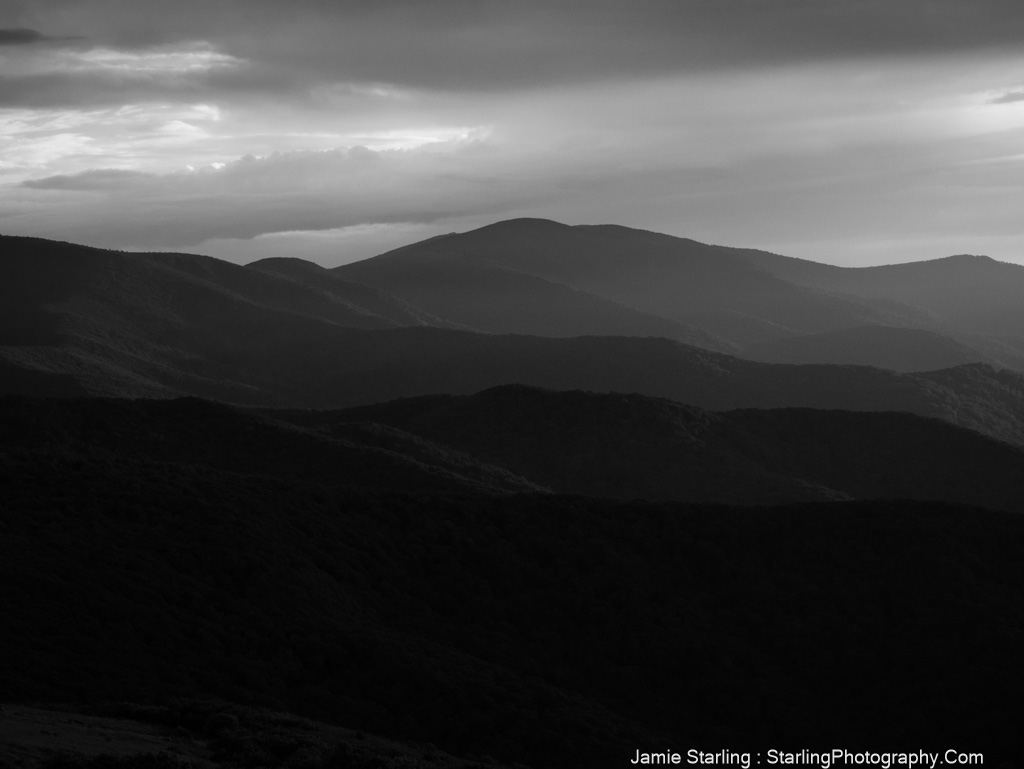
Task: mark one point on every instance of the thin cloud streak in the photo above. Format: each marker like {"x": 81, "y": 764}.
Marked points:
{"x": 1008, "y": 98}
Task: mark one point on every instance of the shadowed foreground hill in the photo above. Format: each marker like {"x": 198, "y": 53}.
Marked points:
{"x": 631, "y": 446}
{"x": 556, "y": 631}
{"x": 203, "y": 734}
{"x": 200, "y": 433}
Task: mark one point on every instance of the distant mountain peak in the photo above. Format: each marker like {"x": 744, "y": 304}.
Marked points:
{"x": 526, "y": 221}
{"x": 520, "y": 226}
{"x": 974, "y": 260}
{"x": 286, "y": 265}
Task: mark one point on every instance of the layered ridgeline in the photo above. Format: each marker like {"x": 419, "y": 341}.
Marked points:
{"x": 450, "y": 569}
{"x": 137, "y": 564}
{"x": 636, "y": 447}
{"x": 81, "y": 321}
{"x": 742, "y": 297}
{"x": 517, "y": 439}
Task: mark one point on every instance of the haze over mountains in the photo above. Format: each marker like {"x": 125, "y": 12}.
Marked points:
{"x": 542, "y": 474}
{"x": 740, "y": 296}
{"x": 449, "y": 315}
{"x": 542, "y": 278}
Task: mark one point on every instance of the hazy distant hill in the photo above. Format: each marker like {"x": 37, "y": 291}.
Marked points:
{"x": 485, "y": 291}
{"x": 740, "y": 298}
{"x": 974, "y": 299}
{"x": 898, "y": 349}
{"x": 974, "y": 293}
{"x": 163, "y": 324}
{"x": 674, "y": 278}
{"x": 631, "y": 446}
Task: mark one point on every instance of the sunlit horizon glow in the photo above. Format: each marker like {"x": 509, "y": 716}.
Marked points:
{"x": 146, "y": 130}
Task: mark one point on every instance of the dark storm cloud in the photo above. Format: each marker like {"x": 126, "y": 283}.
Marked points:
{"x": 20, "y": 36}
{"x": 484, "y": 44}
{"x": 25, "y": 36}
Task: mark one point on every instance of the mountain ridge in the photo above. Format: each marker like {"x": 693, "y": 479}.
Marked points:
{"x": 629, "y": 446}
{"x": 98, "y": 322}
{"x": 672, "y": 277}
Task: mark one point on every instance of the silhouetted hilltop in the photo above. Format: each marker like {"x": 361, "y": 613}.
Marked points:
{"x": 42, "y": 272}
{"x": 631, "y": 446}
{"x": 288, "y": 266}
{"x": 481, "y": 291}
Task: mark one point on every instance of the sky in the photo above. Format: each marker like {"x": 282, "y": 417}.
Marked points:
{"x": 852, "y": 132}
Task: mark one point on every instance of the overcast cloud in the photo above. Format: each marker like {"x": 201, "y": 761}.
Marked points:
{"x": 853, "y": 132}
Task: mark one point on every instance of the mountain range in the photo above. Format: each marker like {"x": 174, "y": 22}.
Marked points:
{"x": 418, "y": 321}
{"x": 635, "y": 447}
{"x": 741, "y": 297}
{"x": 538, "y": 492}
{"x": 516, "y": 439}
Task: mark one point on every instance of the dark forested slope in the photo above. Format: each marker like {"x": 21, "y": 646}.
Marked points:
{"x": 557, "y": 631}
{"x": 200, "y": 433}
{"x": 631, "y": 446}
